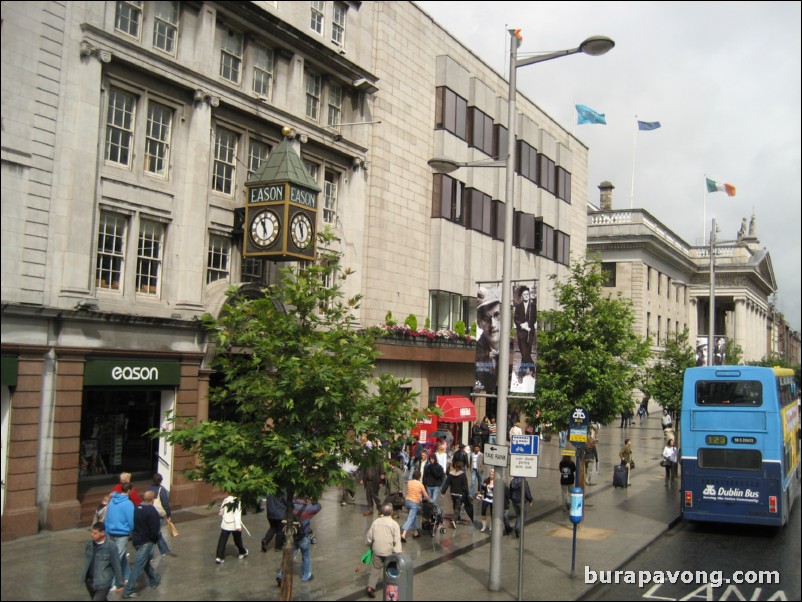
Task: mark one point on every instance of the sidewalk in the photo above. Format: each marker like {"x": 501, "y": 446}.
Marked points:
{"x": 618, "y": 523}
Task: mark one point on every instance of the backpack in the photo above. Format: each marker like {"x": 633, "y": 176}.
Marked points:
{"x": 157, "y": 503}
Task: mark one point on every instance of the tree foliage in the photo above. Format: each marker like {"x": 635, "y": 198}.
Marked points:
{"x": 774, "y": 359}
{"x": 663, "y": 379}
{"x": 588, "y": 352}
{"x": 299, "y": 372}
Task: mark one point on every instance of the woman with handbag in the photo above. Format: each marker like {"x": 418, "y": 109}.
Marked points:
{"x": 669, "y": 459}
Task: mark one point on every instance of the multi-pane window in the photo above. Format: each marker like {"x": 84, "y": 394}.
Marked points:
{"x": 562, "y": 248}
{"x": 263, "y": 71}
{"x": 338, "y": 24}
{"x": 149, "y": 257}
{"x": 225, "y": 152}
{"x": 252, "y": 269}
{"x": 478, "y": 211}
{"x": 608, "y": 269}
{"x": 547, "y": 177}
{"x": 500, "y": 141}
{"x": 257, "y": 154}
{"x": 526, "y": 161}
{"x": 524, "y": 232}
{"x": 157, "y": 139}
{"x": 335, "y": 104}
{"x": 316, "y": 23}
{"x": 128, "y": 18}
{"x": 447, "y": 198}
{"x": 480, "y": 130}
{"x": 450, "y": 112}
{"x": 330, "y": 197}
{"x": 120, "y": 127}
{"x": 110, "y": 252}
{"x": 447, "y": 308}
{"x": 313, "y": 86}
{"x": 231, "y": 55}
{"x": 218, "y": 258}
{"x": 165, "y": 26}
{"x": 563, "y": 185}
{"x": 544, "y": 239}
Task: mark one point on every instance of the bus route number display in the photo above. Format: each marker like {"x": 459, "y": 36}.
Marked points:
{"x": 716, "y": 440}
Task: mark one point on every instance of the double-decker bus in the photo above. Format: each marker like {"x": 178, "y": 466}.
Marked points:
{"x": 739, "y": 438}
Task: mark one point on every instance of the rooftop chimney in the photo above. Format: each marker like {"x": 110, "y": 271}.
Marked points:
{"x": 606, "y": 196}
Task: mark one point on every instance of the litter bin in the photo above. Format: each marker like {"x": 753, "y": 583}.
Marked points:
{"x": 398, "y": 572}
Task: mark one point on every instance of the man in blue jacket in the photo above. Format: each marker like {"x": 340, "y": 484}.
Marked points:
{"x": 119, "y": 524}
{"x": 101, "y": 564}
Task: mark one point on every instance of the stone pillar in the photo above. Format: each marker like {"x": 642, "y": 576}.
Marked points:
{"x": 606, "y": 196}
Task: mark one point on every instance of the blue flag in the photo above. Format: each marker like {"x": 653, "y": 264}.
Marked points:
{"x": 648, "y": 125}
{"x": 587, "y": 115}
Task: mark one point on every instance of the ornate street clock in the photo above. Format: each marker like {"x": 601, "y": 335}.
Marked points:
{"x": 281, "y": 209}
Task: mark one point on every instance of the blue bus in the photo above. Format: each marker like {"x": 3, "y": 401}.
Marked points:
{"x": 739, "y": 444}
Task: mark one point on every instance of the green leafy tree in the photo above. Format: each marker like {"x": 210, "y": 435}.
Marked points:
{"x": 588, "y": 353}
{"x": 774, "y": 359}
{"x": 733, "y": 353}
{"x": 663, "y": 379}
{"x": 299, "y": 372}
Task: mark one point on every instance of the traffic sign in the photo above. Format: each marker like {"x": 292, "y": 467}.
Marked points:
{"x": 523, "y": 466}
{"x": 496, "y": 455}
{"x": 525, "y": 444}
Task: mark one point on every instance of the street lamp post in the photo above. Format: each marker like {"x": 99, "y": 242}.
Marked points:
{"x": 594, "y": 46}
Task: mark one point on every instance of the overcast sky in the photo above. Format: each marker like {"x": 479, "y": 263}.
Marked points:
{"x": 723, "y": 80}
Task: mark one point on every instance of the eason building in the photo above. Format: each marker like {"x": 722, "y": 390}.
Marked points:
{"x": 130, "y": 129}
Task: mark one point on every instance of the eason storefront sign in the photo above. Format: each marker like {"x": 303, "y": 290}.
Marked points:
{"x": 132, "y": 373}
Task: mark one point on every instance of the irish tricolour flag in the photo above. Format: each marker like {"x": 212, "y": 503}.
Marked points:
{"x": 713, "y": 186}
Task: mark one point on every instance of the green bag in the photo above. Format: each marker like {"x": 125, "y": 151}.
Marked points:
{"x": 367, "y": 557}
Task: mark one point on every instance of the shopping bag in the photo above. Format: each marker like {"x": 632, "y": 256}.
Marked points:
{"x": 173, "y": 530}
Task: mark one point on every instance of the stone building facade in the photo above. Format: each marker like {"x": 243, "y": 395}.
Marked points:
{"x": 129, "y": 131}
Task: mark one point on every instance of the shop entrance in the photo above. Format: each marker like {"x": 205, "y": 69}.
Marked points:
{"x": 114, "y": 424}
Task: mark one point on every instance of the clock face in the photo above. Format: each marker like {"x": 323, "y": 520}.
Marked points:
{"x": 264, "y": 228}
{"x": 301, "y": 230}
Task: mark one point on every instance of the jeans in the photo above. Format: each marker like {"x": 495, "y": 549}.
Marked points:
{"x": 306, "y": 559}
{"x": 433, "y": 493}
{"x": 476, "y": 481}
{"x": 413, "y": 515}
{"x": 142, "y": 563}
{"x": 163, "y": 547}
{"x": 121, "y": 543}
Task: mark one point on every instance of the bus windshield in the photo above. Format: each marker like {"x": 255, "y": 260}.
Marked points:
{"x": 729, "y": 393}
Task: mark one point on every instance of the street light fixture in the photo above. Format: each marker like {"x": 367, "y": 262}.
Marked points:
{"x": 593, "y": 46}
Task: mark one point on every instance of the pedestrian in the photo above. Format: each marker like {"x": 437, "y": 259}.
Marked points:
{"x": 433, "y": 477}
{"x": 486, "y": 495}
{"x": 125, "y": 477}
{"x": 516, "y": 429}
{"x": 641, "y": 414}
{"x": 416, "y": 493}
{"x": 591, "y": 457}
{"x": 567, "y": 470}
{"x": 518, "y": 492}
{"x": 624, "y": 418}
{"x": 476, "y": 434}
{"x": 384, "y": 538}
{"x": 372, "y": 476}
{"x": 101, "y": 564}
{"x": 669, "y": 460}
{"x": 626, "y": 458}
{"x": 147, "y": 528}
{"x": 477, "y": 469}
{"x": 457, "y": 482}
{"x": 161, "y": 502}
{"x": 492, "y": 430}
{"x": 303, "y": 509}
{"x": 119, "y": 524}
{"x": 485, "y": 427}
{"x": 276, "y": 513}
{"x": 394, "y": 483}
{"x": 441, "y": 454}
{"x": 461, "y": 455}
{"x": 667, "y": 424}
{"x": 231, "y": 511}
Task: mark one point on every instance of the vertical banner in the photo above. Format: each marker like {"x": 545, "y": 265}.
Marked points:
{"x": 524, "y": 354}
{"x": 719, "y": 354}
{"x": 701, "y": 351}
{"x": 488, "y": 331}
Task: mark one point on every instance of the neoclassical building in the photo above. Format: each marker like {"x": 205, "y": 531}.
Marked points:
{"x": 668, "y": 280}
{"x": 130, "y": 129}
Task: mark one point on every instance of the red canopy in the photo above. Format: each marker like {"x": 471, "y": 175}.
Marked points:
{"x": 456, "y": 408}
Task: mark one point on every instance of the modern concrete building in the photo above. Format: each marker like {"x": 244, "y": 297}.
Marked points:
{"x": 129, "y": 131}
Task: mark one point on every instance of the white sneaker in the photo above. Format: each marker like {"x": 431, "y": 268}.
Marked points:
{"x": 241, "y": 556}
{"x": 219, "y": 560}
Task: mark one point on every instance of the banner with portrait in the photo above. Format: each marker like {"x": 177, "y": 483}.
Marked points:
{"x": 524, "y": 351}
{"x": 719, "y": 351}
{"x": 488, "y": 332}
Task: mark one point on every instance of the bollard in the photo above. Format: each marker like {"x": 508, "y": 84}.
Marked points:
{"x": 398, "y": 571}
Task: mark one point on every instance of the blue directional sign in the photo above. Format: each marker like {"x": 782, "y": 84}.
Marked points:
{"x": 527, "y": 445}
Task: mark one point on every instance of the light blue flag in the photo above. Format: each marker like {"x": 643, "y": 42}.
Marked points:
{"x": 648, "y": 125}
{"x": 587, "y": 115}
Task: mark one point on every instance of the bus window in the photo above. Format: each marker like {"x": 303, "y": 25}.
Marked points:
{"x": 730, "y": 459}
{"x": 729, "y": 393}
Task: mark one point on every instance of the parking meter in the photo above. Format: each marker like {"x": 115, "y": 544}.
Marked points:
{"x": 577, "y": 505}
{"x": 398, "y": 572}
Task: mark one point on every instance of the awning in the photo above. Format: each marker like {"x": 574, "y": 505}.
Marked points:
{"x": 456, "y": 408}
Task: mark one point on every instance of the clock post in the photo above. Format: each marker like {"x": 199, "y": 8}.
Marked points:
{"x": 281, "y": 208}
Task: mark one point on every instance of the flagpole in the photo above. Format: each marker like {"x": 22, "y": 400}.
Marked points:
{"x": 634, "y": 140}
{"x": 704, "y": 212}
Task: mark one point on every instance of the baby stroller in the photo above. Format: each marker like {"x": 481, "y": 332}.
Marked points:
{"x": 432, "y": 518}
